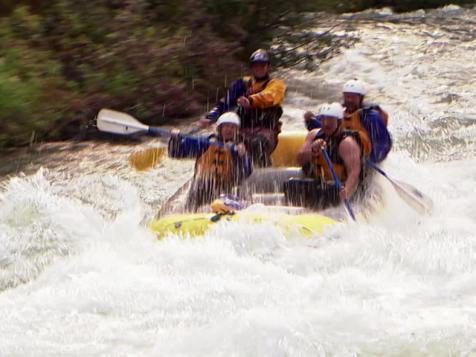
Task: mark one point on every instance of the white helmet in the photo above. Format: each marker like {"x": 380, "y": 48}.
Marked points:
{"x": 354, "y": 86}
{"x": 334, "y": 110}
{"x": 230, "y": 118}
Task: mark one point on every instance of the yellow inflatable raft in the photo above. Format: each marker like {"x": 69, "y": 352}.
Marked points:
{"x": 196, "y": 224}
{"x": 284, "y": 160}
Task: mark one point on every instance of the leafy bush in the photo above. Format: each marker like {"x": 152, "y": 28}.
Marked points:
{"x": 63, "y": 60}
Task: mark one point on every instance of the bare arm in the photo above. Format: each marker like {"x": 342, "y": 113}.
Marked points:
{"x": 350, "y": 153}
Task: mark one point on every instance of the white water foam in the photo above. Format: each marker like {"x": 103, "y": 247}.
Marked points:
{"x": 81, "y": 275}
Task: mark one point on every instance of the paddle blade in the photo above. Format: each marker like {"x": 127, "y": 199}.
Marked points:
{"x": 413, "y": 197}
{"x": 147, "y": 158}
{"x": 115, "y": 122}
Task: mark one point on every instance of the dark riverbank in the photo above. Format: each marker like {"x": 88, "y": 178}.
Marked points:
{"x": 60, "y": 62}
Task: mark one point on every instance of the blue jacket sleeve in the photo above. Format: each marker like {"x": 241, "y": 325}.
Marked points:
{"x": 181, "y": 147}
{"x": 371, "y": 114}
{"x": 228, "y": 102}
{"x": 314, "y": 123}
{"x": 378, "y": 133}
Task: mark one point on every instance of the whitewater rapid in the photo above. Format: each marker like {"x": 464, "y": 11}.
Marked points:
{"x": 80, "y": 274}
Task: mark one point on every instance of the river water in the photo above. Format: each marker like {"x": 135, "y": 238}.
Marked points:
{"x": 80, "y": 275}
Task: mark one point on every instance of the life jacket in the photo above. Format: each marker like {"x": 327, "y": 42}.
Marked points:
{"x": 259, "y": 117}
{"x": 216, "y": 164}
{"x": 319, "y": 169}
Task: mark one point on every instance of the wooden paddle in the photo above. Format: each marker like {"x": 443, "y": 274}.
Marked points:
{"x": 411, "y": 195}
{"x": 115, "y": 122}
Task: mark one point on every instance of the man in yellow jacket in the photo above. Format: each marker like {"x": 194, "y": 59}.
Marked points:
{"x": 257, "y": 100}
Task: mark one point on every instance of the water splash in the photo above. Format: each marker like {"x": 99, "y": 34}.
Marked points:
{"x": 81, "y": 275}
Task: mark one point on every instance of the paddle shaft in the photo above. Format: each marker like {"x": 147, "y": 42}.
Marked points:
{"x": 378, "y": 169}
{"x": 119, "y": 123}
{"x": 157, "y": 131}
{"x": 166, "y": 133}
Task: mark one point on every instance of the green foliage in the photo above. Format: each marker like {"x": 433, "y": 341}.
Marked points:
{"x": 68, "y": 59}
{"x": 30, "y": 81}
{"x": 63, "y": 60}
